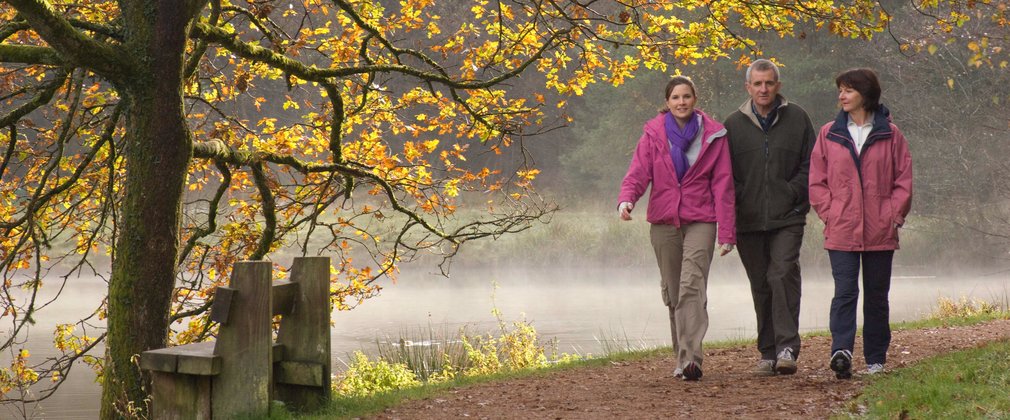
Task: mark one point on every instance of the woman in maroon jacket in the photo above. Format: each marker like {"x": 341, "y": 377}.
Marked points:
{"x": 861, "y": 188}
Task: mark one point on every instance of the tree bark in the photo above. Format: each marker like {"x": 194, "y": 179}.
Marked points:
{"x": 158, "y": 150}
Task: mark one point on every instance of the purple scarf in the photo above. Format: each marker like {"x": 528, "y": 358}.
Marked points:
{"x": 680, "y": 141}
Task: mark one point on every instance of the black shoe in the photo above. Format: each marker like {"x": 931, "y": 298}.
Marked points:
{"x": 692, "y": 372}
{"x": 841, "y": 363}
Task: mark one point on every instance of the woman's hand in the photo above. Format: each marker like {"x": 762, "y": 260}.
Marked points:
{"x": 624, "y": 210}
{"x": 725, "y": 249}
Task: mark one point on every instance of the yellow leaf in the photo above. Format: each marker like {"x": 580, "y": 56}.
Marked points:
{"x": 950, "y": 83}
{"x": 931, "y": 49}
{"x": 430, "y": 145}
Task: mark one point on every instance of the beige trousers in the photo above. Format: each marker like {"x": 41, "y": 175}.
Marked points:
{"x": 685, "y": 256}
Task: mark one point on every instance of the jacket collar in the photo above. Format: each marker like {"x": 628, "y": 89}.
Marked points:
{"x": 748, "y": 110}
{"x": 839, "y": 131}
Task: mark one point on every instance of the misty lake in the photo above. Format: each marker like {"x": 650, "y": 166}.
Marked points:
{"x": 576, "y": 306}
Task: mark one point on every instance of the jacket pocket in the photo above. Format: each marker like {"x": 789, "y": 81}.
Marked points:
{"x": 697, "y": 203}
{"x": 833, "y": 220}
{"x": 887, "y": 214}
{"x": 781, "y": 200}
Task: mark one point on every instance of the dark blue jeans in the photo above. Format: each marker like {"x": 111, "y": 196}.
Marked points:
{"x": 876, "y": 311}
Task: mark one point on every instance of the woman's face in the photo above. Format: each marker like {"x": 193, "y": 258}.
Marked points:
{"x": 849, "y": 98}
{"x": 681, "y": 102}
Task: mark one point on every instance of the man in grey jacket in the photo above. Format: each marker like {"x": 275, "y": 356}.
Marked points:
{"x": 770, "y": 141}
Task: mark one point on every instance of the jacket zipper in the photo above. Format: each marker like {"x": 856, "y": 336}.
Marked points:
{"x": 765, "y": 185}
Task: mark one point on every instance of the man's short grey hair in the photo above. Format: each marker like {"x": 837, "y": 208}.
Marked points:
{"x": 763, "y": 65}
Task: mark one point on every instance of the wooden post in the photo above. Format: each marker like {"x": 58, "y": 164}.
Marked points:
{"x": 302, "y": 379}
{"x": 180, "y": 397}
{"x": 245, "y": 345}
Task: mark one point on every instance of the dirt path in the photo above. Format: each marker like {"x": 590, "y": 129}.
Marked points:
{"x": 646, "y": 389}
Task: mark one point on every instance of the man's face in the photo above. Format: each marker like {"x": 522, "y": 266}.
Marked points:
{"x": 763, "y": 88}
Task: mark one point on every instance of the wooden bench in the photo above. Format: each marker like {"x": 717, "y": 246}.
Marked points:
{"x": 241, "y": 372}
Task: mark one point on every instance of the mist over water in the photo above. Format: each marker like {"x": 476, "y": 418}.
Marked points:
{"x": 578, "y": 306}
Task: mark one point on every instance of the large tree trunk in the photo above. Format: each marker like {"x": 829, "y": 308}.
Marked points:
{"x": 158, "y": 150}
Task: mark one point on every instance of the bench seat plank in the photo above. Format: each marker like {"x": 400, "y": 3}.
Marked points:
{"x": 190, "y": 359}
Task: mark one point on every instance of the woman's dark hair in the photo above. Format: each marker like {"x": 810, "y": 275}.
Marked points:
{"x": 863, "y": 81}
{"x": 674, "y": 82}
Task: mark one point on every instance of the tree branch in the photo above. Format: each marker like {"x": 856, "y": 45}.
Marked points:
{"x": 269, "y": 215}
{"x": 279, "y": 61}
{"x": 75, "y": 47}
{"x": 29, "y": 54}
{"x": 11, "y": 143}
{"x": 43, "y": 97}
{"x": 192, "y": 64}
{"x": 220, "y": 152}
{"x": 212, "y": 208}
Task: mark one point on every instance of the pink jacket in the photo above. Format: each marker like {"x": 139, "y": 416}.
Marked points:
{"x": 704, "y": 195}
{"x": 863, "y": 198}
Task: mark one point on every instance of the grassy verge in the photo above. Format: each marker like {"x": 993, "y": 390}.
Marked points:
{"x": 962, "y": 385}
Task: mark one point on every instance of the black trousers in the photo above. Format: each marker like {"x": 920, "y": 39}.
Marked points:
{"x": 772, "y": 261}
{"x": 876, "y": 309}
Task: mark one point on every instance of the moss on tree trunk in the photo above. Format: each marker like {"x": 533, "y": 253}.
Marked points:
{"x": 158, "y": 151}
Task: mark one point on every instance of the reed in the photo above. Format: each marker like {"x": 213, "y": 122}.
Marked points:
{"x": 426, "y": 352}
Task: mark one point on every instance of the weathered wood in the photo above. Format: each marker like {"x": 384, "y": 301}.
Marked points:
{"x": 203, "y": 362}
{"x": 305, "y": 333}
{"x": 160, "y": 360}
{"x": 243, "y": 385}
{"x": 284, "y": 295}
{"x": 223, "y": 297}
{"x": 278, "y": 353}
{"x": 192, "y": 359}
{"x": 298, "y": 373}
{"x": 237, "y": 375}
{"x": 180, "y": 397}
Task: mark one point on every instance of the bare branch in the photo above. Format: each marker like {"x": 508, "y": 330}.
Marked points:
{"x": 43, "y": 97}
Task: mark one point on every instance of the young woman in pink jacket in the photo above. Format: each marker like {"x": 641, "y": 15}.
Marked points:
{"x": 684, "y": 155}
{"x": 861, "y": 188}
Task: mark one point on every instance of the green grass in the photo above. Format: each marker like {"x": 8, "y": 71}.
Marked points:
{"x": 966, "y": 384}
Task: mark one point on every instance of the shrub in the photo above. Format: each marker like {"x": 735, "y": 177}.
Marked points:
{"x": 364, "y": 377}
{"x": 964, "y": 308}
